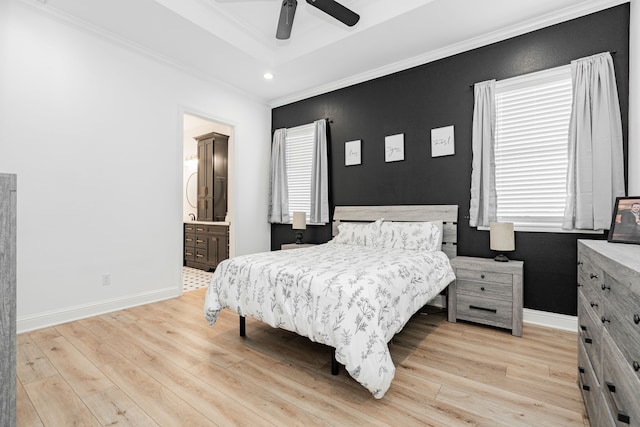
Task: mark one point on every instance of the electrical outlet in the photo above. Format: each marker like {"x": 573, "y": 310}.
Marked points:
{"x": 106, "y": 279}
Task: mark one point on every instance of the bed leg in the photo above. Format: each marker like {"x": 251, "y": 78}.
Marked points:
{"x": 243, "y": 331}
{"x": 335, "y": 366}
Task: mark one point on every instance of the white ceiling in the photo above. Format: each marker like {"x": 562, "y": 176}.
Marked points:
{"x": 233, "y": 41}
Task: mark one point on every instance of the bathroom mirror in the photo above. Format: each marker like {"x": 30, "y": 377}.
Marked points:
{"x": 191, "y": 190}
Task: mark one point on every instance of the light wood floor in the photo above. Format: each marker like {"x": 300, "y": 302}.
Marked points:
{"x": 162, "y": 364}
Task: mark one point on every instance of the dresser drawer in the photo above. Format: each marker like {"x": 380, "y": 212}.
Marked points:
{"x": 621, "y": 318}
{"x": 485, "y": 310}
{"x": 190, "y": 240}
{"x": 590, "y": 330}
{"x": 201, "y": 228}
{"x": 201, "y": 241}
{"x": 189, "y": 254}
{"x": 481, "y": 289}
{"x": 484, "y": 276}
{"x": 620, "y": 388}
{"x": 588, "y": 383}
{"x": 200, "y": 255}
{"x": 590, "y": 275}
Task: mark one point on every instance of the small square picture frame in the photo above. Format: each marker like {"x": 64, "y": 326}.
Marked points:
{"x": 443, "y": 141}
{"x": 353, "y": 153}
{"x": 394, "y": 148}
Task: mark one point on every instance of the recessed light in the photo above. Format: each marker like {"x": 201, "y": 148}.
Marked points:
{"x": 268, "y": 76}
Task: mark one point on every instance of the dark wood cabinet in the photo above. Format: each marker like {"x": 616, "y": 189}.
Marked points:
{"x": 205, "y": 246}
{"x": 212, "y": 176}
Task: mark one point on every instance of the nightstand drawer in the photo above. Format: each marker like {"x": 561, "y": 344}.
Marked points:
{"x": 485, "y": 310}
{"x": 484, "y": 276}
{"x": 502, "y": 291}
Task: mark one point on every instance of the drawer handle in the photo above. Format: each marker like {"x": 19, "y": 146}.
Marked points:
{"x": 636, "y": 366}
{"x": 636, "y": 319}
{"x": 605, "y": 287}
{"x": 482, "y": 289}
{"x": 188, "y": 253}
{"x": 199, "y": 241}
{"x": 199, "y": 229}
{"x": 580, "y": 263}
{"x": 475, "y": 307}
{"x": 584, "y": 328}
{"x": 605, "y": 320}
{"x": 579, "y": 285}
{"x": 189, "y": 240}
{"x": 588, "y": 341}
{"x": 593, "y": 304}
{"x": 199, "y": 256}
{"x": 623, "y": 417}
{"x": 482, "y": 276}
{"x": 585, "y": 387}
{"x": 593, "y": 276}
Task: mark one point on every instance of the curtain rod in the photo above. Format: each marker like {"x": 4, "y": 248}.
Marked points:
{"x": 612, "y": 52}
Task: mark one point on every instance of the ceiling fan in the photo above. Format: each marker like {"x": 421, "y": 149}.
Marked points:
{"x": 330, "y": 7}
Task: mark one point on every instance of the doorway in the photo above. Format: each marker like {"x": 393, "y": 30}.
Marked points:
{"x": 193, "y": 127}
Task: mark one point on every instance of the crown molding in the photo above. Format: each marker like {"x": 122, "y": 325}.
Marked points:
{"x": 544, "y": 21}
{"x": 97, "y": 31}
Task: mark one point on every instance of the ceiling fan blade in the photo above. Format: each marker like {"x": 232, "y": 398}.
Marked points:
{"x": 338, "y": 11}
{"x": 287, "y": 12}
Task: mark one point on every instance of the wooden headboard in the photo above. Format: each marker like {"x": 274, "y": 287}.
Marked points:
{"x": 448, "y": 214}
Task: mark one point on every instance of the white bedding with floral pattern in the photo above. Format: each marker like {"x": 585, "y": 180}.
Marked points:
{"x": 353, "y": 298}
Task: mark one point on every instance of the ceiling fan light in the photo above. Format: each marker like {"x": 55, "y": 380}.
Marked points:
{"x": 268, "y": 76}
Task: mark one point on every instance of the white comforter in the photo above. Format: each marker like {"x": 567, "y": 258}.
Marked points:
{"x": 353, "y": 298}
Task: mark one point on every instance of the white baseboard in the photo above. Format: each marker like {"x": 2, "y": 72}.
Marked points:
{"x": 69, "y": 314}
{"x": 551, "y": 320}
{"x": 534, "y": 317}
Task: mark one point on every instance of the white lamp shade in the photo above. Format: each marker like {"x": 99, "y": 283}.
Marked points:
{"x": 501, "y": 236}
{"x": 299, "y": 221}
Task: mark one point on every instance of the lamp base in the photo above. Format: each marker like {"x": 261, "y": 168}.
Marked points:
{"x": 298, "y": 237}
{"x": 501, "y": 258}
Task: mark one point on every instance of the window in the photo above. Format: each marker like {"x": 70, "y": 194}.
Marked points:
{"x": 531, "y": 157}
{"x": 299, "y": 157}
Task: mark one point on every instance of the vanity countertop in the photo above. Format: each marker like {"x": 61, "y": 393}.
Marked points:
{"x": 208, "y": 222}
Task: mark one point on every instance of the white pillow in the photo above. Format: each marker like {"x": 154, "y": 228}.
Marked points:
{"x": 423, "y": 236}
{"x": 361, "y": 234}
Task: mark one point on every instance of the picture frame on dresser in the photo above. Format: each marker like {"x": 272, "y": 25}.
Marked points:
{"x": 625, "y": 221}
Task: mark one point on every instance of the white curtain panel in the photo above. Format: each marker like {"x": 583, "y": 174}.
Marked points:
{"x": 595, "y": 175}
{"x": 279, "y": 191}
{"x": 482, "y": 208}
{"x": 319, "y": 176}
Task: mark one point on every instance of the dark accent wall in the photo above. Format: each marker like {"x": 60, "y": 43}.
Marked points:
{"x": 440, "y": 94}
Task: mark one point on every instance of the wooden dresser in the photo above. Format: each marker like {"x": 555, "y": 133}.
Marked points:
{"x": 609, "y": 328}
{"x": 7, "y": 300}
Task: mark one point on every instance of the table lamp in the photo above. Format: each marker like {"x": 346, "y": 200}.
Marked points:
{"x": 501, "y": 238}
{"x": 299, "y": 224}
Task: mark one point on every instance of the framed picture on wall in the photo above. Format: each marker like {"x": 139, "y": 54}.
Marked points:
{"x": 443, "y": 142}
{"x": 625, "y": 223}
{"x": 352, "y": 153}
{"x": 394, "y": 148}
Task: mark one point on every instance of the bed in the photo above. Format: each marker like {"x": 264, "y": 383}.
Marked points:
{"x": 353, "y": 293}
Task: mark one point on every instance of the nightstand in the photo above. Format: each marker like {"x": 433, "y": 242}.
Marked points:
{"x": 488, "y": 292}
{"x": 295, "y": 245}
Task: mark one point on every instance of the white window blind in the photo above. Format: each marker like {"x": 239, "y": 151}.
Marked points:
{"x": 299, "y": 157}
{"x": 532, "y": 124}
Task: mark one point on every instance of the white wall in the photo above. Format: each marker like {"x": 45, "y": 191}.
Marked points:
{"x": 93, "y": 131}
